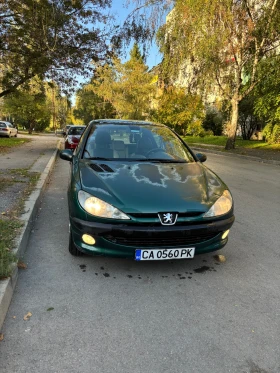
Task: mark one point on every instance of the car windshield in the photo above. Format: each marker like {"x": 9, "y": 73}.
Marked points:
{"x": 3, "y": 124}
{"x": 131, "y": 142}
{"x": 76, "y": 131}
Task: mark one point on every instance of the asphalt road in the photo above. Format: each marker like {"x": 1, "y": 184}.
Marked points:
{"x": 97, "y": 315}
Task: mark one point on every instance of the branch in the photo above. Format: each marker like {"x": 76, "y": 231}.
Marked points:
{"x": 16, "y": 85}
{"x": 259, "y": 49}
{"x": 252, "y": 86}
{"x": 220, "y": 85}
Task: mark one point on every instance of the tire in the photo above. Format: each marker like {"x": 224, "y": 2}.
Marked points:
{"x": 72, "y": 247}
{"x": 16, "y": 135}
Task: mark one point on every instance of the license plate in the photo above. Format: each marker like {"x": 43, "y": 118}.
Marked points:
{"x": 164, "y": 254}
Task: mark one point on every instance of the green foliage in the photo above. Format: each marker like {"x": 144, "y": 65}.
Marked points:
{"x": 54, "y": 39}
{"x": 214, "y": 121}
{"x": 6, "y": 144}
{"x": 271, "y": 133}
{"x": 267, "y": 103}
{"x": 135, "y": 54}
{"x": 90, "y": 106}
{"x": 221, "y": 44}
{"x": 240, "y": 143}
{"x": 180, "y": 111}
{"x": 249, "y": 121}
{"x": 29, "y": 106}
{"x": 127, "y": 86}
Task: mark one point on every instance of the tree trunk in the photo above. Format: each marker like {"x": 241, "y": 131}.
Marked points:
{"x": 233, "y": 124}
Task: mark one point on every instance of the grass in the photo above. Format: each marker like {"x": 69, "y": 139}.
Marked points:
{"x": 31, "y": 179}
{"x": 8, "y": 231}
{"x": 240, "y": 143}
{"x": 9, "y": 221}
{"x": 7, "y": 143}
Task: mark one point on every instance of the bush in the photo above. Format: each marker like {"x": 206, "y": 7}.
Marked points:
{"x": 213, "y": 122}
{"x": 195, "y": 129}
{"x": 272, "y": 133}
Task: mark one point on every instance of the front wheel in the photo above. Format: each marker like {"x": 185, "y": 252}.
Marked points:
{"x": 72, "y": 247}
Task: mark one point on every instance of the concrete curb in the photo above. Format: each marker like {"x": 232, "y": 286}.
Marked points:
{"x": 31, "y": 208}
{"x": 249, "y": 157}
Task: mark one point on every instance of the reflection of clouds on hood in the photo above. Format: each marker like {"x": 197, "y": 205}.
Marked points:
{"x": 179, "y": 177}
{"x": 162, "y": 178}
{"x": 99, "y": 190}
{"x": 111, "y": 175}
{"x": 212, "y": 178}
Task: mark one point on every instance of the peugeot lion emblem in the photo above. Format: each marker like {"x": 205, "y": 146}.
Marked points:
{"x": 167, "y": 218}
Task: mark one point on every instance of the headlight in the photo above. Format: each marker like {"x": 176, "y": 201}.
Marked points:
{"x": 97, "y": 207}
{"x": 221, "y": 206}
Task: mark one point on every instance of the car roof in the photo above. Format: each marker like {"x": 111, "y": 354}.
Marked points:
{"x": 124, "y": 122}
{"x": 75, "y": 125}
{"x": 4, "y": 122}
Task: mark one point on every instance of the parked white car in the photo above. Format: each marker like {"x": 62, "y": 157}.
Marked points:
{"x": 7, "y": 129}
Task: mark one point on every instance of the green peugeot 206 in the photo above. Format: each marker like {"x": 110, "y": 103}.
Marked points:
{"x": 138, "y": 191}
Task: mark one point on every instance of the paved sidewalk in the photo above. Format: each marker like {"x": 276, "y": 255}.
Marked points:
{"x": 37, "y": 156}
{"x": 38, "y": 150}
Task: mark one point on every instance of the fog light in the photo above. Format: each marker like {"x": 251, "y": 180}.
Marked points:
{"x": 225, "y": 234}
{"x": 89, "y": 240}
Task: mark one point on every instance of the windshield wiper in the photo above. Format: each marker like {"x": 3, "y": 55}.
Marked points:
{"x": 100, "y": 159}
{"x": 159, "y": 160}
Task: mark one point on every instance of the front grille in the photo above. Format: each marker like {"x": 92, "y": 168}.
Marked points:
{"x": 189, "y": 214}
{"x": 159, "y": 239}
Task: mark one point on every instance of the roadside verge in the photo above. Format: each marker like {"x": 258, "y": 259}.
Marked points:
{"x": 31, "y": 208}
{"x": 215, "y": 150}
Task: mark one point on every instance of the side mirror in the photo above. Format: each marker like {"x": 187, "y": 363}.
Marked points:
{"x": 66, "y": 154}
{"x": 201, "y": 157}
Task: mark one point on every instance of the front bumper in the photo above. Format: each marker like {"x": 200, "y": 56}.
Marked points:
{"x": 121, "y": 240}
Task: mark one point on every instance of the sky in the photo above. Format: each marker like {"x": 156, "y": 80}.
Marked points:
{"x": 122, "y": 12}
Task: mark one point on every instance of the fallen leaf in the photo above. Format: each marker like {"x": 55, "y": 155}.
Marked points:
{"x": 50, "y": 309}
{"x": 220, "y": 258}
{"x": 27, "y": 316}
{"x": 1, "y": 337}
{"x": 14, "y": 317}
{"x": 21, "y": 265}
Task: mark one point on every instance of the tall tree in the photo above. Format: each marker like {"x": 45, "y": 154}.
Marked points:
{"x": 127, "y": 86}
{"x": 29, "y": 106}
{"x": 50, "y": 38}
{"x": 181, "y": 111}
{"x": 225, "y": 41}
{"x": 267, "y": 100}
{"x": 90, "y": 106}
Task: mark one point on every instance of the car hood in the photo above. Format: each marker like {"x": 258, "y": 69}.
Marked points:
{"x": 152, "y": 187}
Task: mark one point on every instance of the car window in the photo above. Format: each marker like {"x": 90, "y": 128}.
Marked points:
{"x": 76, "y": 131}
{"x": 3, "y": 124}
{"x": 130, "y": 142}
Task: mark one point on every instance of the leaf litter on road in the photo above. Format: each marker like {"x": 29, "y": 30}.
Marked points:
{"x": 27, "y": 316}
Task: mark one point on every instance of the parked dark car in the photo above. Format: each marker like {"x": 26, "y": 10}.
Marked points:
{"x": 138, "y": 191}
{"x": 7, "y": 129}
{"x": 73, "y": 137}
